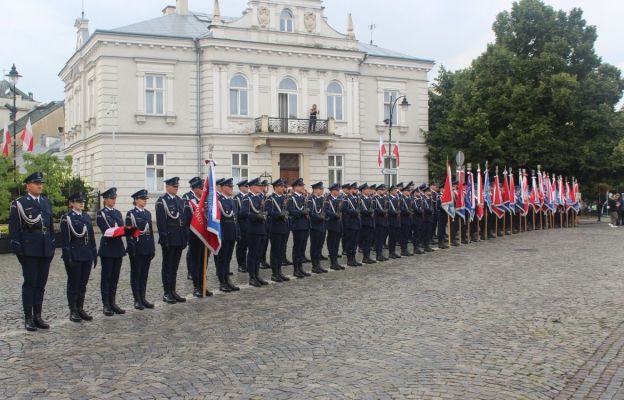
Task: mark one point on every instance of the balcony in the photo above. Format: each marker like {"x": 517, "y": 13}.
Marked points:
{"x": 267, "y": 129}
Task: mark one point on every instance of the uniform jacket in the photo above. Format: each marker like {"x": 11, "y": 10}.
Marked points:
{"x": 78, "y": 238}
{"x": 276, "y": 208}
{"x": 171, "y": 219}
{"x": 229, "y": 217}
{"x": 350, "y": 213}
{"x": 316, "y": 205}
{"x": 31, "y": 227}
{"x": 110, "y": 247}
{"x": 253, "y": 212}
{"x": 299, "y": 213}
{"x": 144, "y": 244}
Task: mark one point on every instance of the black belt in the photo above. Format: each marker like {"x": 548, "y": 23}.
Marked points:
{"x": 40, "y": 230}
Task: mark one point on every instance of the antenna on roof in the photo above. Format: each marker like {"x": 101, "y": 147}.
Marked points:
{"x": 372, "y": 27}
{"x": 82, "y": 13}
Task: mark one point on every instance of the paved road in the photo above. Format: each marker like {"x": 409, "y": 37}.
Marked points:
{"x": 535, "y": 316}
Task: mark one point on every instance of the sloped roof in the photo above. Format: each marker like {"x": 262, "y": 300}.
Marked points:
{"x": 195, "y": 25}
{"x": 37, "y": 114}
{"x": 6, "y": 88}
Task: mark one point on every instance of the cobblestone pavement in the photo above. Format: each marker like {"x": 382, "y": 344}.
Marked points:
{"x": 533, "y": 316}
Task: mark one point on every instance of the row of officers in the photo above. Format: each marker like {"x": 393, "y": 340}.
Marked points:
{"x": 368, "y": 218}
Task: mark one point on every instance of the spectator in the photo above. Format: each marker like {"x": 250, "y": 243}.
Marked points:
{"x": 614, "y": 206}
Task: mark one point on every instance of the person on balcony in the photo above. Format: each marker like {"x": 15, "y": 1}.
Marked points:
{"x": 314, "y": 112}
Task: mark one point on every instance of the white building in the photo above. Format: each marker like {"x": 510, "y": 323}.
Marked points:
{"x": 147, "y": 101}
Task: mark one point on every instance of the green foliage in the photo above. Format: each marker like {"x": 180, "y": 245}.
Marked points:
{"x": 8, "y": 188}
{"x": 538, "y": 95}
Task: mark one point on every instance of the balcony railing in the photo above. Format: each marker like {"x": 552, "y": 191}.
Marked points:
{"x": 294, "y": 126}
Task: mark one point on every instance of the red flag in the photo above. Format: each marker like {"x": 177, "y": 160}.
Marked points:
{"x": 497, "y": 199}
{"x": 395, "y": 152}
{"x": 381, "y": 152}
{"x": 6, "y": 141}
{"x": 505, "y": 193}
{"x": 206, "y": 222}
{"x": 27, "y": 137}
{"x": 480, "y": 199}
{"x": 447, "y": 200}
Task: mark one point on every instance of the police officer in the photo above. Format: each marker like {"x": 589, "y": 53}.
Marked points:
{"x": 195, "y": 252}
{"x": 172, "y": 237}
{"x": 318, "y": 228}
{"x": 141, "y": 248}
{"x": 394, "y": 222}
{"x": 241, "y": 244}
{"x": 442, "y": 218}
{"x": 265, "y": 244}
{"x": 352, "y": 225}
{"x": 197, "y": 185}
{"x": 367, "y": 218}
{"x": 79, "y": 255}
{"x": 229, "y": 234}
{"x": 253, "y": 211}
{"x": 112, "y": 252}
{"x": 346, "y": 192}
{"x": 381, "y": 221}
{"x": 31, "y": 230}
{"x": 277, "y": 214}
{"x": 407, "y": 213}
{"x": 428, "y": 207}
{"x": 418, "y": 220}
{"x": 333, "y": 211}
{"x": 299, "y": 225}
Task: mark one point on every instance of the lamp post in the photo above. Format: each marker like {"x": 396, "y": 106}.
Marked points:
{"x": 14, "y": 76}
{"x": 404, "y": 105}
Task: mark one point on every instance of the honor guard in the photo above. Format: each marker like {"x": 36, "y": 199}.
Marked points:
{"x": 381, "y": 221}
{"x": 318, "y": 228}
{"x": 394, "y": 222}
{"x": 351, "y": 217}
{"x": 442, "y": 220}
{"x": 241, "y": 244}
{"x": 197, "y": 185}
{"x": 299, "y": 225}
{"x": 172, "y": 237}
{"x": 253, "y": 212}
{"x": 112, "y": 251}
{"x": 141, "y": 248}
{"x": 417, "y": 221}
{"x": 265, "y": 244}
{"x": 195, "y": 252}
{"x": 229, "y": 234}
{"x": 333, "y": 212}
{"x": 79, "y": 255}
{"x": 406, "y": 221}
{"x": 31, "y": 231}
{"x": 367, "y": 217}
{"x": 278, "y": 228}
{"x": 428, "y": 218}
{"x": 346, "y": 191}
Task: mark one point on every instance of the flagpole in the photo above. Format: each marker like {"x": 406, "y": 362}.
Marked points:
{"x": 449, "y": 231}
{"x": 206, "y": 253}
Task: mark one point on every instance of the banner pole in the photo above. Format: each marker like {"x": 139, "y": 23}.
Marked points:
{"x": 487, "y": 227}
{"x": 449, "y": 231}
{"x": 204, "y": 271}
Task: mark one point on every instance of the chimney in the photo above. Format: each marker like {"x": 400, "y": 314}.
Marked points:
{"x": 30, "y": 96}
{"x": 182, "y": 7}
{"x": 82, "y": 31}
{"x": 168, "y": 10}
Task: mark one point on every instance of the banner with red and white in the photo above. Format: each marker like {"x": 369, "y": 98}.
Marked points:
{"x": 381, "y": 152}
{"x": 6, "y": 141}
{"x": 206, "y": 222}
{"x": 28, "y": 140}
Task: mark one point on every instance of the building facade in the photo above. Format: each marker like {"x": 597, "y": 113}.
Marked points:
{"x": 150, "y": 100}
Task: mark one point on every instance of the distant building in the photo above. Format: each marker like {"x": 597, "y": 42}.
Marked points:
{"x": 24, "y": 101}
{"x": 145, "y": 101}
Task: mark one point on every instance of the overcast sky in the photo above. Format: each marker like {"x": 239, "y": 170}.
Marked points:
{"x": 39, "y": 36}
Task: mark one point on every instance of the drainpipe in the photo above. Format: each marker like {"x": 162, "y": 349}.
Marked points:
{"x": 198, "y": 107}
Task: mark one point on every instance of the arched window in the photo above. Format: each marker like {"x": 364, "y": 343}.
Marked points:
{"x": 287, "y": 98}
{"x": 239, "y": 95}
{"x": 335, "y": 101}
{"x": 287, "y": 21}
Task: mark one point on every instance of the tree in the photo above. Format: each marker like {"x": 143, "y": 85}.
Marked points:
{"x": 538, "y": 95}
{"x": 8, "y": 188}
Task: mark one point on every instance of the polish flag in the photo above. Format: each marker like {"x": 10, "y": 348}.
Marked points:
{"x": 395, "y": 153}
{"x": 119, "y": 231}
{"x": 381, "y": 153}
{"x": 27, "y": 137}
{"x": 480, "y": 199}
{"x": 6, "y": 141}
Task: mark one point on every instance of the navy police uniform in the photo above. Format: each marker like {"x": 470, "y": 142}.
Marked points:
{"x": 333, "y": 212}
{"x": 172, "y": 237}
{"x": 367, "y": 218}
{"x": 278, "y": 230}
{"x": 229, "y": 234}
{"x": 141, "y": 250}
{"x": 253, "y": 212}
{"x": 381, "y": 223}
{"x": 190, "y": 196}
{"x": 300, "y": 227}
{"x": 31, "y": 230}
{"x": 112, "y": 251}
{"x": 352, "y": 226}
{"x": 318, "y": 228}
{"x": 79, "y": 255}
{"x": 241, "y": 243}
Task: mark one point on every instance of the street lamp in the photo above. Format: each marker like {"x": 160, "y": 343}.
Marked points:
{"x": 14, "y": 76}
{"x": 404, "y": 106}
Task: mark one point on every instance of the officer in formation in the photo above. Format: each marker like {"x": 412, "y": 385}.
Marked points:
{"x": 172, "y": 237}
{"x": 112, "y": 252}
{"x": 79, "y": 255}
{"x": 364, "y": 217}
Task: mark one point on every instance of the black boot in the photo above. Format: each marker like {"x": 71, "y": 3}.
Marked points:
{"x": 223, "y": 286}
{"x": 197, "y": 291}
{"x": 29, "y": 322}
{"x": 232, "y": 287}
{"x": 146, "y": 303}
{"x": 368, "y": 260}
{"x": 264, "y": 265}
{"x": 113, "y": 303}
{"x": 286, "y": 262}
{"x": 83, "y": 314}
{"x": 138, "y": 303}
{"x": 242, "y": 269}
{"x": 168, "y": 297}
{"x": 275, "y": 275}
{"x": 283, "y": 277}
{"x": 39, "y": 322}
{"x": 316, "y": 268}
{"x": 443, "y": 244}
{"x": 175, "y": 295}
{"x": 73, "y": 313}
{"x": 253, "y": 280}
{"x": 320, "y": 267}
{"x": 380, "y": 257}
{"x": 333, "y": 263}
{"x": 303, "y": 271}
{"x": 107, "y": 310}
{"x": 298, "y": 270}
{"x": 259, "y": 278}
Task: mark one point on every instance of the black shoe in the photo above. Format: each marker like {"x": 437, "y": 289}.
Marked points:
{"x": 464, "y": 241}
{"x": 29, "y": 322}
{"x": 232, "y": 287}
{"x": 116, "y": 309}
{"x": 394, "y": 256}
{"x": 286, "y": 263}
{"x": 275, "y": 275}
{"x": 138, "y": 304}
{"x": 428, "y": 249}
{"x": 262, "y": 281}
{"x": 175, "y": 295}
{"x": 107, "y": 310}
{"x": 443, "y": 245}
{"x": 264, "y": 265}
{"x": 380, "y": 258}
{"x": 242, "y": 269}
{"x": 168, "y": 298}
{"x": 283, "y": 277}
{"x": 316, "y": 267}
{"x": 420, "y": 250}
{"x": 223, "y": 286}
{"x": 39, "y": 322}
{"x": 146, "y": 303}
{"x": 197, "y": 292}
{"x": 83, "y": 314}
{"x": 73, "y": 314}
{"x": 369, "y": 260}
{"x": 455, "y": 244}
{"x": 297, "y": 271}
{"x": 406, "y": 254}
{"x": 254, "y": 282}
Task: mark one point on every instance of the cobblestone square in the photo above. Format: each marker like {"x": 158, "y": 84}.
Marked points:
{"x": 533, "y": 316}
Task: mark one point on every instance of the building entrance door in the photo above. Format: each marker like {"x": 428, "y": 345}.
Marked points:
{"x": 289, "y": 167}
